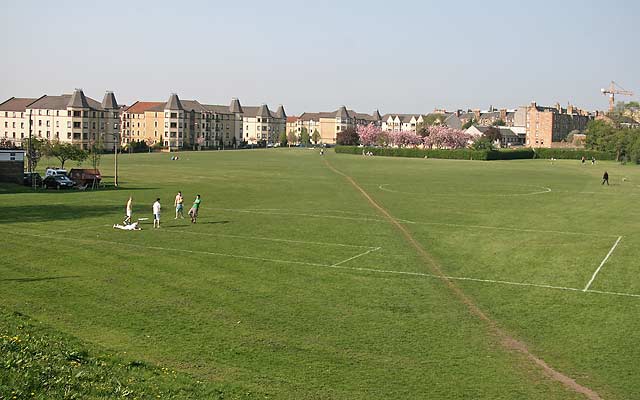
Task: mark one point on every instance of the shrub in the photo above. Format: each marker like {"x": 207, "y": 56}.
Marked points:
{"x": 458, "y": 154}
{"x": 573, "y": 154}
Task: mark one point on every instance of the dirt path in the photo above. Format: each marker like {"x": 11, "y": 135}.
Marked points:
{"x": 507, "y": 341}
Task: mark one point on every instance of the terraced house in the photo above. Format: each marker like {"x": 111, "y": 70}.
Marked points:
{"x": 68, "y": 118}
{"x": 329, "y": 124}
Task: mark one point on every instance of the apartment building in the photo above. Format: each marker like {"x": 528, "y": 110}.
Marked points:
{"x": 410, "y": 122}
{"x": 68, "y": 118}
{"x": 263, "y": 125}
{"x": 548, "y": 126}
{"x": 328, "y": 124}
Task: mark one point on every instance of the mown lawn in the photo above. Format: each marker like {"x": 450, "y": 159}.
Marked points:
{"x": 292, "y": 286}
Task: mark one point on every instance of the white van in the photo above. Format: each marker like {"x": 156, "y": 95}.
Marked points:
{"x": 55, "y": 172}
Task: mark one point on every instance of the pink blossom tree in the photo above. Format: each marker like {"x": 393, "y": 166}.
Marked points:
{"x": 404, "y": 138}
{"x": 369, "y": 135}
{"x": 443, "y": 137}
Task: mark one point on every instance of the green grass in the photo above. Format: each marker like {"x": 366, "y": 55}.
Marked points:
{"x": 246, "y": 301}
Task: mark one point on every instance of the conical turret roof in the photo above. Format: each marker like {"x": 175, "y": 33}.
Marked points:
{"x": 376, "y": 115}
{"x": 263, "y": 111}
{"x": 235, "y": 106}
{"x": 280, "y": 112}
{"x": 78, "y": 100}
{"x": 342, "y": 112}
{"x": 173, "y": 103}
{"x": 109, "y": 102}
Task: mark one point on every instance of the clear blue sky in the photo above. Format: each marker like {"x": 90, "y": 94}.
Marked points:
{"x": 400, "y": 56}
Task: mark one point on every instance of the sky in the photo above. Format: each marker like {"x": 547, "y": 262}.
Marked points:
{"x": 398, "y": 57}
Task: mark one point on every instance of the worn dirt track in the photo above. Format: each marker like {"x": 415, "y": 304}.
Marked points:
{"x": 506, "y": 340}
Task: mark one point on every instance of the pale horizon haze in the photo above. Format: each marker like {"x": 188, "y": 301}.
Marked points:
{"x": 401, "y": 57}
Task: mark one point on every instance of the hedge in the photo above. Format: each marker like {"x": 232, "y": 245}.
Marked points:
{"x": 573, "y": 154}
{"x": 469, "y": 154}
{"x": 458, "y": 154}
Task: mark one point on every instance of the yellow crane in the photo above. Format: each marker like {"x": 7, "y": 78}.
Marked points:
{"x": 612, "y": 91}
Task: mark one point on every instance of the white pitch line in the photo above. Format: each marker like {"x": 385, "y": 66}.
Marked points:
{"x": 380, "y": 271}
{"x": 273, "y": 239}
{"x": 601, "y": 264}
{"x": 356, "y": 256}
{"x": 546, "y": 190}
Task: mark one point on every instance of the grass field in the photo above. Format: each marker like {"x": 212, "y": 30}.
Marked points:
{"x": 294, "y": 286}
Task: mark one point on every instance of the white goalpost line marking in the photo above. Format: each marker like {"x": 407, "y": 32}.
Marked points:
{"x": 593, "y": 277}
{"x": 361, "y": 269}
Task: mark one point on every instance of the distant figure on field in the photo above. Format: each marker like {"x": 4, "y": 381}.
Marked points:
{"x": 322, "y": 151}
{"x": 605, "y": 178}
{"x": 593, "y": 161}
{"x": 552, "y": 160}
{"x": 193, "y": 212}
{"x": 179, "y": 206}
{"x": 128, "y": 227}
{"x": 582, "y": 159}
{"x": 128, "y": 212}
{"x": 156, "y": 213}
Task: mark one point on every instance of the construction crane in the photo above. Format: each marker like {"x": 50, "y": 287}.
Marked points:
{"x": 612, "y": 91}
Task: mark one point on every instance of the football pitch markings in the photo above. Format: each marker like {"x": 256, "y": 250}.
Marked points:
{"x": 340, "y": 264}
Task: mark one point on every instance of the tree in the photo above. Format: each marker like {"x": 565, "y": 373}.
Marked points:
{"x": 482, "y": 143}
{"x": 283, "y": 139}
{"x": 304, "y": 136}
{"x": 34, "y": 150}
{"x": 291, "y": 138}
{"x": 315, "y": 136}
{"x": 498, "y": 122}
{"x": 404, "y": 138}
{"x": 369, "y": 135}
{"x": 95, "y": 153}
{"x": 493, "y": 134}
{"x": 433, "y": 119}
{"x": 468, "y": 124}
{"x": 65, "y": 151}
{"x": 348, "y": 137}
{"x": 443, "y": 137}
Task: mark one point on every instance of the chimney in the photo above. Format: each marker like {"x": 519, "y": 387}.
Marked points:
{"x": 569, "y": 109}
{"x": 476, "y": 114}
{"x": 559, "y": 108}
{"x": 503, "y": 114}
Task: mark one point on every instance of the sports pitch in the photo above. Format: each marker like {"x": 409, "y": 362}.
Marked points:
{"x": 344, "y": 276}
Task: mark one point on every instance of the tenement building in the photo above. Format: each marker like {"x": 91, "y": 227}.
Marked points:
{"x": 329, "y": 124}
{"x": 68, "y": 118}
{"x": 549, "y": 126}
{"x": 177, "y": 124}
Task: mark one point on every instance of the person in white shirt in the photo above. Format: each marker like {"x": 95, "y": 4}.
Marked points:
{"x": 156, "y": 213}
{"x": 130, "y": 227}
{"x": 129, "y": 211}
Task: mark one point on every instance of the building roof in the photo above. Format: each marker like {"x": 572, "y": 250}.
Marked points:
{"x": 62, "y": 102}
{"x": 280, "y": 113}
{"x": 218, "y": 109}
{"x": 109, "y": 101}
{"x": 292, "y": 119}
{"x": 16, "y": 104}
{"x": 342, "y": 113}
{"x": 141, "y": 106}
{"x": 78, "y": 100}
{"x": 173, "y": 103}
{"x": 235, "y": 106}
{"x": 263, "y": 111}
{"x": 192, "y": 105}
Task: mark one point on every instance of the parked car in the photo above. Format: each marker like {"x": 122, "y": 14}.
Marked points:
{"x": 55, "y": 171}
{"x": 31, "y": 177}
{"x": 58, "y": 182}
{"x": 85, "y": 176}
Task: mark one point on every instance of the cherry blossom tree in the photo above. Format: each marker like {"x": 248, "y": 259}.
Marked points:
{"x": 443, "y": 137}
{"x": 370, "y": 135}
{"x": 404, "y": 138}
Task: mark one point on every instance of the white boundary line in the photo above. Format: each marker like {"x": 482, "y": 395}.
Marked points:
{"x": 546, "y": 190}
{"x": 272, "y": 239}
{"x": 405, "y": 221}
{"x": 356, "y": 256}
{"x": 593, "y": 277}
{"x": 372, "y": 270}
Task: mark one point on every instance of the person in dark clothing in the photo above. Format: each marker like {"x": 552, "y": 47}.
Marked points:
{"x": 605, "y": 178}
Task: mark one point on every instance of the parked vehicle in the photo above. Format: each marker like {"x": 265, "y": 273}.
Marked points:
{"x": 85, "y": 176}
{"x": 55, "y": 172}
{"x": 58, "y": 182}
{"x": 30, "y": 178}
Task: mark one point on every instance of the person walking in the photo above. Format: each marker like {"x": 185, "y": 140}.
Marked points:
{"x": 605, "y": 178}
{"x": 128, "y": 212}
{"x": 582, "y": 159}
{"x": 593, "y": 160}
{"x": 156, "y": 213}
{"x": 178, "y": 203}
{"x": 193, "y": 212}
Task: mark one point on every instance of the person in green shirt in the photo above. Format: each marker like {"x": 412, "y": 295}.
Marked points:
{"x": 193, "y": 212}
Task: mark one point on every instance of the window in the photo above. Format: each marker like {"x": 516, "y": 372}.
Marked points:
{"x": 21, "y": 125}
{"x": 85, "y": 125}
{"x": 68, "y": 124}
{"x": 166, "y": 124}
{"x": 174, "y": 115}
{"x": 57, "y": 124}
{"x": 48, "y": 134}
{"x": 76, "y": 125}
{"x": 14, "y": 124}
{"x": 39, "y": 122}
{"x": 93, "y": 125}
{"x": 77, "y": 114}
{"x": 76, "y": 136}
{"x": 48, "y": 123}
